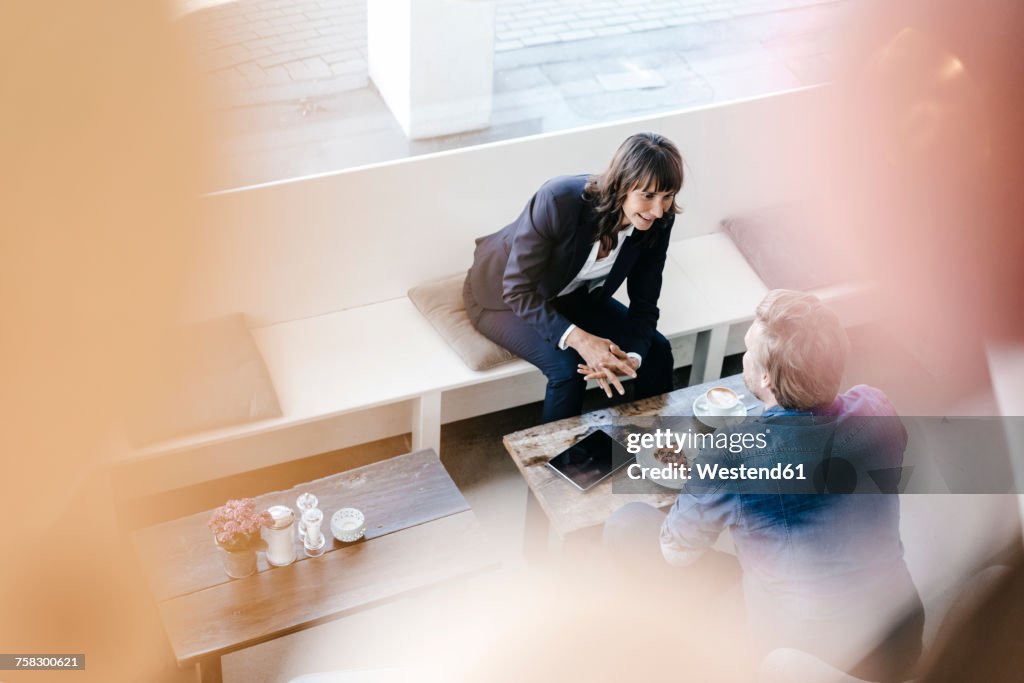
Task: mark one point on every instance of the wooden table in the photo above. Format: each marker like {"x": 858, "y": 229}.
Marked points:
{"x": 420, "y": 531}
{"x": 553, "y": 504}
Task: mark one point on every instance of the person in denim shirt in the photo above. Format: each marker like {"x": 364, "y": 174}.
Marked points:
{"x": 822, "y": 572}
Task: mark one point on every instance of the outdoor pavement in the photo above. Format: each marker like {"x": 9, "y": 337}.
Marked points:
{"x": 290, "y": 94}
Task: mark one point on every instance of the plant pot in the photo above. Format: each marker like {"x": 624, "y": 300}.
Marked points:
{"x": 238, "y": 563}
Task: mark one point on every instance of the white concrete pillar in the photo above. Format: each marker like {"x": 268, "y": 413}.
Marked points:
{"x": 433, "y": 62}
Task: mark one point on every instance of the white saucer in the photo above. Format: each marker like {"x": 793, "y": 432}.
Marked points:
{"x": 645, "y": 458}
{"x": 700, "y": 411}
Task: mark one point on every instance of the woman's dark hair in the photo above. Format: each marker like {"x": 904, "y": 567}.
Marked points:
{"x": 645, "y": 160}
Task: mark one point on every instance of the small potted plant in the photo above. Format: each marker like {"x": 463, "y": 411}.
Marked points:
{"x": 236, "y": 530}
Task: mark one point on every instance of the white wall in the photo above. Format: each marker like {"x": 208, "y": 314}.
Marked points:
{"x": 313, "y": 245}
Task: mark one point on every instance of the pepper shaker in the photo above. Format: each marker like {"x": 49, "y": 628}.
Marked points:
{"x": 315, "y": 542}
{"x": 307, "y": 501}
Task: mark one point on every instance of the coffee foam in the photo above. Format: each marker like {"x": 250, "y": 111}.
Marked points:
{"x": 722, "y": 397}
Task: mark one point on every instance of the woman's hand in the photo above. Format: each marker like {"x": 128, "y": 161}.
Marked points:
{"x": 603, "y": 360}
{"x": 601, "y": 374}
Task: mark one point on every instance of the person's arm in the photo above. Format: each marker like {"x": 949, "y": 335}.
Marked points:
{"x": 699, "y": 514}
{"x": 539, "y": 229}
{"x": 536, "y": 233}
{"x": 644, "y": 287}
{"x": 695, "y": 522}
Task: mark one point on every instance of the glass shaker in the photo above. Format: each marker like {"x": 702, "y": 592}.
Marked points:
{"x": 315, "y": 542}
{"x": 307, "y": 501}
{"x": 281, "y": 536}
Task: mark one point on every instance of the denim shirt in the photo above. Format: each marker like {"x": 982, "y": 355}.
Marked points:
{"x": 809, "y": 559}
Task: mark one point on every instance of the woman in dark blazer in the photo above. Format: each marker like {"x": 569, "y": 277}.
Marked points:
{"x": 542, "y": 286}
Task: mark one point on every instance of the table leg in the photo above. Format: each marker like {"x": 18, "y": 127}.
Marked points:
{"x": 535, "y": 535}
{"x": 209, "y": 670}
{"x": 426, "y": 422}
{"x": 708, "y": 355}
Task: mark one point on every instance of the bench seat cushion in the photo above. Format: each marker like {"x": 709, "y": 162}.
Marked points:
{"x": 787, "y": 249}
{"x": 441, "y": 303}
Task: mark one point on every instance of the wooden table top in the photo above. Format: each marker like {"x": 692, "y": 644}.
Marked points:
{"x": 569, "y": 509}
{"x": 420, "y": 531}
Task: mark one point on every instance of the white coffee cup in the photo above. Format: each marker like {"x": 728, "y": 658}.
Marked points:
{"x": 721, "y": 401}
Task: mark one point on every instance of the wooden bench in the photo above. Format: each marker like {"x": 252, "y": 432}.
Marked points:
{"x": 352, "y": 359}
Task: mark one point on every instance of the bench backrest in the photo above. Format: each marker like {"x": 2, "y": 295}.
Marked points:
{"x": 309, "y": 246}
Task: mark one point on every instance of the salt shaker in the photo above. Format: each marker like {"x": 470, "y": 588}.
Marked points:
{"x": 306, "y": 501}
{"x": 281, "y": 536}
{"x": 315, "y": 542}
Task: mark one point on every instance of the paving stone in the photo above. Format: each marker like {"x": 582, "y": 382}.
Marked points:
{"x": 297, "y": 70}
{"x": 645, "y": 26}
{"x": 275, "y": 60}
{"x": 611, "y": 30}
{"x": 351, "y": 66}
{"x": 568, "y": 71}
{"x": 268, "y": 31}
{"x": 295, "y": 36}
{"x": 631, "y": 80}
{"x": 533, "y": 14}
{"x": 322, "y": 14}
{"x": 625, "y": 18}
{"x": 261, "y": 43}
{"x": 642, "y": 57}
{"x": 741, "y": 61}
{"x": 591, "y": 13}
{"x": 341, "y": 56}
{"x": 268, "y": 14}
{"x": 714, "y": 16}
{"x": 657, "y": 14}
{"x": 576, "y": 35}
{"x": 531, "y": 41}
{"x": 681, "y": 21}
{"x": 529, "y": 96}
{"x": 588, "y": 23}
{"x": 504, "y": 45}
{"x": 520, "y": 79}
{"x": 237, "y": 36}
{"x": 253, "y": 73}
{"x": 523, "y": 23}
{"x": 317, "y": 67}
{"x": 309, "y": 51}
{"x": 292, "y": 18}
{"x": 589, "y": 86}
{"x": 560, "y": 18}
{"x": 521, "y": 33}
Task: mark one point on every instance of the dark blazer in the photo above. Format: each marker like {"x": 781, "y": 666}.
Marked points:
{"x": 524, "y": 266}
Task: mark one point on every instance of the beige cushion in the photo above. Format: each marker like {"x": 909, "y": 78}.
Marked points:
{"x": 441, "y": 303}
{"x": 788, "y": 250}
{"x": 212, "y": 375}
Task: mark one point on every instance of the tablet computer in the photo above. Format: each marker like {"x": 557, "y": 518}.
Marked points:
{"x": 591, "y": 459}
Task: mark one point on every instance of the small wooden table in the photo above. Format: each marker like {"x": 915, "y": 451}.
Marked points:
{"x": 555, "y": 504}
{"x": 420, "y": 531}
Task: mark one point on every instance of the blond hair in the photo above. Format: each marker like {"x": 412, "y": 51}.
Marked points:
{"x": 804, "y": 350}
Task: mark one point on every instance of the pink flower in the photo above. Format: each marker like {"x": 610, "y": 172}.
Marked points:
{"x": 235, "y": 525}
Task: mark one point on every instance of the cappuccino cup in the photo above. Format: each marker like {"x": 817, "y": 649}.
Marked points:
{"x": 721, "y": 401}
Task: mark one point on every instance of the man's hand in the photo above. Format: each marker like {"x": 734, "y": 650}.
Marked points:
{"x": 603, "y": 360}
